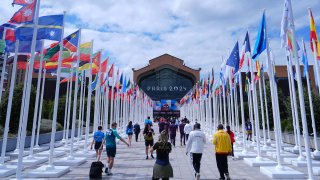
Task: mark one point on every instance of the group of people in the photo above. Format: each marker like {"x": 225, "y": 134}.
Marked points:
{"x": 190, "y": 136}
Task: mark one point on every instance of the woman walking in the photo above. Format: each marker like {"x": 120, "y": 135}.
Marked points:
{"x": 129, "y": 132}
{"x": 162, "y": 167}
{"x": 148, "y": 134}
{"x": 231, "y": 134}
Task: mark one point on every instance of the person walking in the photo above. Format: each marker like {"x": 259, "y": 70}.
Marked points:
{"x": 231, "y": 134}
{"x": 195, "y": 145}
{"x": 148, "y": 121}
{"x": 182, "y": 134}
{"x": 148, "y": 134}
{"x": 162, "y": 167}
{"x": 187, "y": 129}
{"x": 98, "y": 140}
{"x": 110, "y": 138}
{"x": 222, "y": 143}
{"x": 173, "y": 132}
{"x": 161, "y": 125}
{"x": 129, "y": 132}
{"x": 249, "y": 130}
{"x": 136, "y": 130}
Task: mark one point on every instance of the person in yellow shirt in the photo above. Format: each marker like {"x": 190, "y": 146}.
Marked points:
{"x": 221, "y": 141}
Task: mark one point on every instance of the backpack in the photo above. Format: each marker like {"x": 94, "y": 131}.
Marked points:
{"x": 129, "y": 130}
{"x": 96, "y": 169}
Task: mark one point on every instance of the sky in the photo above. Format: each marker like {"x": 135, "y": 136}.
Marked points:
{"x": 202, "y": 33}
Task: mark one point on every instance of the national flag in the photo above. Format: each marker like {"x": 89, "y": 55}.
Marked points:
{"x": 50, "y": 28}
{"x": 304, "y": 59}
{"x": 71, "y": 41}
{"x": 234, "y": 59}
{"x": 110, "y": 73}
{"x": 261, "y": 41}
{"x": 245, "y": 48}
{"x": 94, "y": 83}
{"x": 124, "y": 85}
{"x": 286, "y": 18}
{"x": 313, "y": 36}
{"x": 257, "y": 77}
{"x": 24, "y": 46}
{"x": 26, "y": 13}
{"x": 104, "y": 65}
{"x": 128, "y": 84}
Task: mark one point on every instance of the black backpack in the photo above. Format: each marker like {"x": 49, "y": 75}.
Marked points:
{"x": 96, "y": 169}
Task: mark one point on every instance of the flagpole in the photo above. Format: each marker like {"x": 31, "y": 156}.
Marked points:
{"x": 66, "y": 113}
{"x": 97, "y": 99}
{"x": 28, "y": 91}
{"x": 80, "y": 122}
{"x": 107, "y": 106}
{"x": 69, "y": 109}
{"x": 35, "y": 113}
{"x": 4, "y": 64}
{"x": 316, "y": 145}
{"x": 10, "y": 98}
{"x": 75, "y": 98}
{"x": 40, "y": 108}
{"x": 84, "y": 79}
{"x": 293, "y": 111}
{"x": 266, "y": 105}
{"x": 89, "y": 100}
{"x": 56, "y": 101}
{"x": 244, "y": 150}
{"x": 262, "y": 115}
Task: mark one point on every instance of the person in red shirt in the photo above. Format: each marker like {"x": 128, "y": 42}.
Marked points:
{"x": 231, "y": 134}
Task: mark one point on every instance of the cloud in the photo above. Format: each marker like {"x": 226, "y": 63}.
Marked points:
{"x": 200, "y": 32}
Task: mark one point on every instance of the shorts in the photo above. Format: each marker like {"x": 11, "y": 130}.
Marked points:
{"x": 111, "y": 152}
{"x": 249, "y": 132}
{"x": 148, "y": 143}
{"x": 130, "y": 134}
{"x": 97, "y": 145}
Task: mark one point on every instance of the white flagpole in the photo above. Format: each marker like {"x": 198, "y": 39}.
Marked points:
{"x": 66, "y": 113}
{"x": 84, "y": 79}
{"x": 107, "y": 107}
{"x": 35, "y": 113}
{"x": 262, "y": 115}
{"x": 301, "y": 98}
{"x": 266, "y": 106}
{"x": 10, "y": 98}
{"x": 316, "y": 145}
{"x": 4, "y": 64}
{"x": 69, "y": 109}
{"x": 56, "y": 101}
{"x": 28, "y": 91}
{"x": 251, "y": 111}
{"x": 293, "y": 110}
{"x": 80, "y": 125}
{"x": 75, "y": 99}
{"x": 244, "y": 150}
{"x": 220, "y": 104}
{"x": 40, "y": 108}
{"x": 224, "y": 104}
{"x": 88, "y": 101}
{"x": 97, "y": 100}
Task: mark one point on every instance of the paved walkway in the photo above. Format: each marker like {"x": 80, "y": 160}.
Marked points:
{"x": 130, "y": 163}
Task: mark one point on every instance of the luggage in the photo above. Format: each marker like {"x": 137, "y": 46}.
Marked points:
{"x": 96, "y": 169}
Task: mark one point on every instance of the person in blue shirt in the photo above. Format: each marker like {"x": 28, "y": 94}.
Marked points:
{"x": 148, "y": 121}
{"x": 129, "y": 132}
{"x": 111, "y": 147}
{"x": 98, "y": 140}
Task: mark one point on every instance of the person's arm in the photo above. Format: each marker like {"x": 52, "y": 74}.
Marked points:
{"x": 214, "y": 140}
{"x": 119, "y": 137}
{"x": 92, "y": 143}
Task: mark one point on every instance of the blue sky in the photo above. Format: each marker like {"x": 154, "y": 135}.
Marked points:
{"x": 200, "y": 32}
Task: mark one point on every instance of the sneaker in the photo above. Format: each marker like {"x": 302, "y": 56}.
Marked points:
{"x": 147, "y": 157}
{"x": 228, "y": 177}
{"x": 152, "y": 156}
{"x": 198, "y": 176}
{"x": 106, "y": 170}
{"x": 109, "y": 172}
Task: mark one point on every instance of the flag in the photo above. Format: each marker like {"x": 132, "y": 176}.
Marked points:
{"x": 313, "y": 36}
{"x": 124, "y": 85}
{"x": 24, "y": 46}
{"x": 50, "y": 28}
{"x": 104, "y": 66}
{"x": 257, "y": 77}
{"x": 304, "y": 59}
{"x": 94, "y": 84}
{"x": 234, "y": 59}
{"x": 26, "y": 13}
{"x": 261, "y": 42}
{"x": 71, "y": 42}
{"x": 2, "y": 45}
{"x": 286, "y": 18}
{"x": 110, "y": 73}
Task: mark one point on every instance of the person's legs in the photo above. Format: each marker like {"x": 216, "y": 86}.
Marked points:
{"x": 130, "y": 139}
{"x": 136, "y": 134}
{"x": 99, "y": 154}
{"x": 187, "y": 136}
{"x": 196, "y": 161}
{"x": 184, "y": 138}
{"x": 219, "y": 159}
{"x": 181, "y": 135}
{"x": 174, "y": 140}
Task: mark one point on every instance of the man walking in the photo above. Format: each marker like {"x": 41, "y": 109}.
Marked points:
{"x": 111, "y": 135}
{"x": 182, "y": 134}
{"x": 222, "y": 143}
{"x": 195, "y": 144}
{"x": 136, "y": 130}
{"x": 148, "y": 121}
{"x": 187, "y": 129}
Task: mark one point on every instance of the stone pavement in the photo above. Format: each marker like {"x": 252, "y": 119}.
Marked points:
{"x": 130, "y": 163}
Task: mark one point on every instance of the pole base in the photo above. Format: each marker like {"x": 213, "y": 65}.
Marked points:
{"x": 30, "y": 161}
{"x": 45, "y": 172}
{"x": 67, "y": 161}
{"x": 257, "y": 162}
{"x": 7, "y": 170}
{"x": 281, "y": 173}
{"x": 240, "y": 155}
{"x": 47, "y": 153}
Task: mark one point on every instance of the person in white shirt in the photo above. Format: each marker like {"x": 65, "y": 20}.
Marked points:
{"x": 194, "y": 146}
{"x": 187, "y": 129}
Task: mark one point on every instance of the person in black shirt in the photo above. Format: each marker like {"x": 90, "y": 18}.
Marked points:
{"x": 162, "y": 167}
